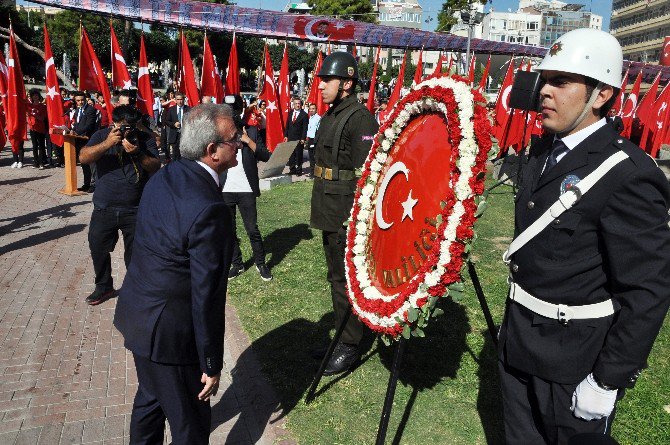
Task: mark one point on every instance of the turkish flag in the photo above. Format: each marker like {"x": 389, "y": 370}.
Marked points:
{"x": 274, "y": 134}
{"x": 3, "y": 77}
{"x": 283, "y": 88}
{"x": 15, "y": 102}
{"x": 451, "y": 63}
{"x": 187, "y": 74}
{"x": 233, "y": 73}
{"x": 644, "y": 109}
{"x": 318, "y": 29}
{"x": 314, "y": 93}
{"x": 665, "y": 52}
{"x": 502, "y": 110}
{"x": 418, "y": 74}
{"x": 471, "y": 70}
{"x": 145, "y": 94}
{"x": 654, "y": 132}
{"x": 120, "y": 74}
{"x": 54, "y": 100}
{"x": 629, "y": 106}
{"x": 395, "y": 95}
{"x": 210, "y": 83}
{"x": 354, "y": 52}
{"x": 485, "y": 75}
{"x": 91, "y": 75}
{"x": 438, "y": 67}
{"x": 618, "y": 103}
{"x": 373, "y": 84}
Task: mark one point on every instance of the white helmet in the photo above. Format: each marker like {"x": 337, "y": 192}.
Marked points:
{"x": 589, "y": 52}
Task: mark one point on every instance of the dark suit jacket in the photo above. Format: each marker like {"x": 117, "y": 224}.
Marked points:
{"x": 171, "y": 304}
{"x": 85, "y": 126}
{"x": 613, "y": 243}
{"x": 170, "y": 119}
{"x": 250, "y": 160}
{"x": 296, "y": 131}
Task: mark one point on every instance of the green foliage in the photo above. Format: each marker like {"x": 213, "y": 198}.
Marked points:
{"x": 446, "y": 19}
{"x": 360, "y": 10}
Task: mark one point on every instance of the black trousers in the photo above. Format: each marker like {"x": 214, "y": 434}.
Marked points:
{"x": 39, "y": 141}
{"x": 333, "y": 246}
{"x": 296, "y": 159}
{"x": 246, "y": 202}
{"x": 537, "y": 411}
{"x": 312, "y": 159}
{"x": 103, "y": 233}
{"x": 169, "y": 392}
{"x": 85, "y": 168}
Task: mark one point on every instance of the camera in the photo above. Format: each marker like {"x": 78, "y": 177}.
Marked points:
{"x": 129, "y": 133}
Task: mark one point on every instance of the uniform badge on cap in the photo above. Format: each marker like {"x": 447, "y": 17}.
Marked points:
{"x": 569, "y": 182}
{"x": 555, "y": 48}
{"x": 350, "y": 70}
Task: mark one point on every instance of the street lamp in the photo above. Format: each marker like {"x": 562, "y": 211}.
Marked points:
{"x": 470, "y": 19}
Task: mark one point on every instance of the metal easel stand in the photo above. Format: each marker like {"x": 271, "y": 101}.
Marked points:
{"x": 331, "y": 348}
{"x": 482, "y": 301}
{"x": 390, "y": 391}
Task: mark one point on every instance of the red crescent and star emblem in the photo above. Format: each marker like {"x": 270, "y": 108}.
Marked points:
{"x": 414, "y": 179}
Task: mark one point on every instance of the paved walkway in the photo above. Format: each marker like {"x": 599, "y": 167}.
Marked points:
{"x": 65, "y": 377}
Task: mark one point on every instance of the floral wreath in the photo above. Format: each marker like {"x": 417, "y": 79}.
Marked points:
{"x": 407, "y": 312}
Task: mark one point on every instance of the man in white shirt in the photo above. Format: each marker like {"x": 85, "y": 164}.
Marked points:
{"x": 312, "y": 127}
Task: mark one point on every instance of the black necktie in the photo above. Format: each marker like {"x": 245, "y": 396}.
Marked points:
{"x": 557, "y": 149}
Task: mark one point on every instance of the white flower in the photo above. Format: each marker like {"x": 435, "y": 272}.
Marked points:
{"x": 374, "y": 176}
{"x": 381, "y": 157}
{"x": 375, "y": 166}
{"x": 360, "y": 239}
{"x": 368, "y": 189}
{"x": 389, "y": 133}
{"x": 358, "y": 249}
{"x": 364, "y": 201}
{"x": 359, "y": 261}
{"x": 361, "y": 227}
{"x": 386, "y": 145}
{"x": 431, "y": 280}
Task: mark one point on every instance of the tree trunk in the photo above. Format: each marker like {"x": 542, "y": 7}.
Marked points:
{"x": 4, "y": 33}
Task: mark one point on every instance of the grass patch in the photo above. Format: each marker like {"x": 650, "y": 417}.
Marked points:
{"x": 448, "y": 390}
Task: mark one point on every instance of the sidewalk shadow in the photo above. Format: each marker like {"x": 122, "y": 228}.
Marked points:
{"x": 62, "y": 211}
{"x": 16, "y": 181}
{"x": 429, "y": 360}
{"x": 280, "y": 242}
{"x": 43, "y": 237}
{"x": 282, "y": 357}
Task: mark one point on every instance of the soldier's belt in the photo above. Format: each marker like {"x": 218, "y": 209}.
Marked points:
{"x": 330, "y": 174}
{"x": 560, "y": 312}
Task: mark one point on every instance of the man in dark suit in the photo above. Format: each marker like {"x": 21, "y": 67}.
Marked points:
{"x": 171, "y": 305}
{"x": 173, "y": 121}
{"x": 589, "y": 281}
{"x": 240, "y": 190}
{"x": 84, "y": 123}
{"x": 296, "y": 130}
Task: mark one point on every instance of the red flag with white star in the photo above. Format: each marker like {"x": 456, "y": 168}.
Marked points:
{"x": 418, "y": 74}
{"x": 233, "y": 73}
{"x": 3, "y": 77}
{"x": 120, "y": 74}
{"x": 618, "y": 102}
{"x": 210, "y": 83}
{"x": 283, "y": 87}
{"x": 187, "y": 74}
{"x": 15, "y": 102}
{"x": 665, "y": 52}
{"x": 373, "y": 84}
{"x": 438, "y": 67}
{"x": 274, "y": 134}
{"x": 145, "y": 93}
{"x": 53, "y": 98}
{"x": 629, "y": 107}
{"x": 91, "y": 75}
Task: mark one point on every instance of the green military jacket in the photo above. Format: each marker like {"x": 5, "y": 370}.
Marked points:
{"x": 332, "y": 199}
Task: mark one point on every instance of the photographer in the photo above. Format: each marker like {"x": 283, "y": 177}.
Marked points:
{"x": 124, "y": 154}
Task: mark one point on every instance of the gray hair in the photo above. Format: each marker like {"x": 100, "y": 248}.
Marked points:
{"x": 199, "y": 129}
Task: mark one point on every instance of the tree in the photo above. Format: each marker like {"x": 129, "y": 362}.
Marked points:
{"x": 360, "y": 10}
{"x": 446, "y": 18}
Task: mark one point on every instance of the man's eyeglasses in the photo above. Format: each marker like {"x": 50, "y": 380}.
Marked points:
{"x": 235, "y": 142}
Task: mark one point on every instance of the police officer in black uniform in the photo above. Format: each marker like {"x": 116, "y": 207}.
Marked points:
{"x": 589, "y": 287}
{"x": 342, "y": 144}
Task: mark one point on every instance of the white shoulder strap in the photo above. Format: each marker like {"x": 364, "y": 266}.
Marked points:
{"x": 564, "y": 202}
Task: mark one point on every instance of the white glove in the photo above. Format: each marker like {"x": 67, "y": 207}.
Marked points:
{"x": 590, "y": 401}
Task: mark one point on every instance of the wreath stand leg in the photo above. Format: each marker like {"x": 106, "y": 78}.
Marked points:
{"x": 326, "y": 358}
{"x": 482, "y": 302}
{"x": 390, "y": 391}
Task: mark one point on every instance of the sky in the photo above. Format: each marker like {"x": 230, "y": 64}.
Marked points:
{"x": 432, "y": 7}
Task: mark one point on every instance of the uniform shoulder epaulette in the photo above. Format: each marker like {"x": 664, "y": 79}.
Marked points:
{"x": 639, "y": 157}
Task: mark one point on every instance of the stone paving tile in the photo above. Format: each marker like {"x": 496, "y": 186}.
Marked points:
{"x": 65, "y": 377}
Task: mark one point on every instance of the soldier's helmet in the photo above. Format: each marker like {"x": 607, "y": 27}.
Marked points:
{"x": 339, "y": 64}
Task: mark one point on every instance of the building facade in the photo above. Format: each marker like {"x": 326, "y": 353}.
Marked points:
{"x": 640, "y": 26}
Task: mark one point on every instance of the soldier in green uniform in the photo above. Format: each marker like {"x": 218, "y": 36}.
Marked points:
{"x": 342, "y": 144}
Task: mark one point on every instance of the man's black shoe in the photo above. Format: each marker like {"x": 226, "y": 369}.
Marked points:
{"x": 235, "y": 271}
{"x": 83, "y": 188}
{"x": 344, "y": 357}
{"x": 91, "y": 189}
{"x": 264, "y": 270}
{"x": 99, "y": 296}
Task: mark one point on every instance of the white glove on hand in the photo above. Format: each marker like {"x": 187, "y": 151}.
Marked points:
{"x": 590, "y": 401}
